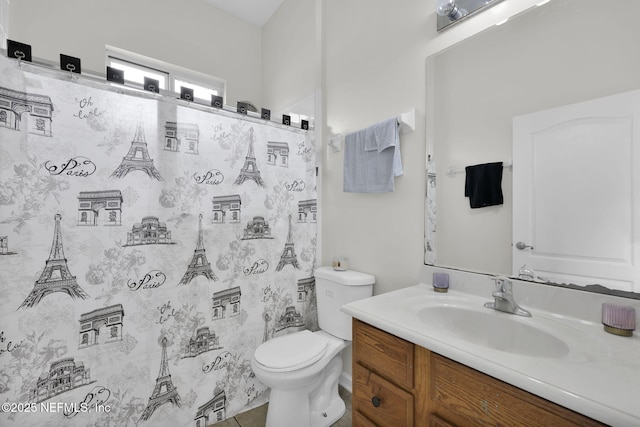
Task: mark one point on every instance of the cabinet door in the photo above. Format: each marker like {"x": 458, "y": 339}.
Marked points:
{"x": 436, "y": 421}
{"x": 380, "y": 401}
{"x": 468, "y": 397}
{"x": 360, "y": 420}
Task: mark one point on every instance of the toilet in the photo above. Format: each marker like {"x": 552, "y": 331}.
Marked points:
{"x": 303, "y": 368}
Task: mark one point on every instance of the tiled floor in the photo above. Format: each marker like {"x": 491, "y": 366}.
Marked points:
{"x": 256, "y": 417}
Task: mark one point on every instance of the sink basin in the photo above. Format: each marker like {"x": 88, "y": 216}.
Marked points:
{"x": 493, "y": 329}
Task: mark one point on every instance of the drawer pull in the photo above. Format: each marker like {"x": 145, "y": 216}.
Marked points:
{"x": 375, "y": 401}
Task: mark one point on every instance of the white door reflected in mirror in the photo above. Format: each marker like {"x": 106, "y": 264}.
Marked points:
{"x": 575, "y": 168}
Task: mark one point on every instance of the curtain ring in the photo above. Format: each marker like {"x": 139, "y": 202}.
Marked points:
{"x": 19, "y": 56}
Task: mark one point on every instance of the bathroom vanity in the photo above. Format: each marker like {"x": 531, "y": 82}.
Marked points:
{"x": 422, "y": 358}
{"x": 398, "y": 383}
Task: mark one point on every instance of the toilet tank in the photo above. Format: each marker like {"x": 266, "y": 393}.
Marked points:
{"x": 335, "y": 289}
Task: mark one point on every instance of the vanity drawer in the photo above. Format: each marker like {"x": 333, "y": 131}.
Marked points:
{"x": 378, "y": 402}
{"x": 388, "y": 356}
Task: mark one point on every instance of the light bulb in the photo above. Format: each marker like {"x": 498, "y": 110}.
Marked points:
{"x": 450, "y": 9}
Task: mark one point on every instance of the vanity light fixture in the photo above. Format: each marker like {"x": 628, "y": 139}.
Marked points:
{"x": 450, "y": 12}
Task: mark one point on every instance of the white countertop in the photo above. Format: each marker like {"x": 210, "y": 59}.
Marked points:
{"x": 600, "y": 377}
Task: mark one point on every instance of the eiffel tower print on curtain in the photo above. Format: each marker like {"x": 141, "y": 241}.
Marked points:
{"x": 164, "y": 391}
{"x": 250, "y": 169}
{"x": 199, "y": 265}
{"x": 288, "y": 254}
{"x": 56, "y": 276}
{"x": 137, "y": 158}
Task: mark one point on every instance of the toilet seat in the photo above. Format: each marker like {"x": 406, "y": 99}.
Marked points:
{"x": 291, "y": 352}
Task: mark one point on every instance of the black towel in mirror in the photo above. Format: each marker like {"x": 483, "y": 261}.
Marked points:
{"x": 483, "y": 184}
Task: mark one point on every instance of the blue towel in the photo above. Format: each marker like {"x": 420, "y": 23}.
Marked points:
{"x": 372, "y": 158}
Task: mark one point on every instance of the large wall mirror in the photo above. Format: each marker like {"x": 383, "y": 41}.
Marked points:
{"x": 553, "y": 55}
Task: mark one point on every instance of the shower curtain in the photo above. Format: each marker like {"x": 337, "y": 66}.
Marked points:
{"x": 147, "y": 247}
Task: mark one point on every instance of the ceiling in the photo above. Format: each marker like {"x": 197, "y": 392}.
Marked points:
{"x": 255, "y": 12}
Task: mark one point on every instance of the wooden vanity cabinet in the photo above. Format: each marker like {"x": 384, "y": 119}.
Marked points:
{"x": 397, "y": 383}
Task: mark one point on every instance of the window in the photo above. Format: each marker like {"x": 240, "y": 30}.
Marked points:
{"x": 199, "y": 91}
{"x": 298, "y": 118}
{"x": 171, "y": 77}
{"x": 135, "y": 73}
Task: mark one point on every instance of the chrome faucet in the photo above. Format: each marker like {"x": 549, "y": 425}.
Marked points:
{"x": 503, "y": 298}
{"x": 528, "y": 273}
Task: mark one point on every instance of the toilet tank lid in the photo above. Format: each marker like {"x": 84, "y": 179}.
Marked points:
{"x": 344, "y": 277}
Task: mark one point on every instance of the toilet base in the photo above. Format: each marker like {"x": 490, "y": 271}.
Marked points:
{"x": 332, "y": 413}
{"x": 320, "y": 405}
{"x": 282, "y": 416}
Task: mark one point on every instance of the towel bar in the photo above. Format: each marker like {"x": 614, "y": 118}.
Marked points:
{"x": 452, "y": 171}
{"x": 406, "y": 120}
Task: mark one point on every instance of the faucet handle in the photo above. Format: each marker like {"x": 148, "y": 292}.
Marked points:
{"x": 502, "y": 284}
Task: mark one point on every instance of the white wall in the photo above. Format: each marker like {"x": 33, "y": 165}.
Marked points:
{"x": 375, "y": 69}
{"x": 188, "y": 33}
{"x": 4, "y": 23}
{"x": 289, "y": 56}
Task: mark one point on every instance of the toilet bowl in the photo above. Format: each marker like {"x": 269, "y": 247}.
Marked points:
{"x": 290, "y": 404}
{"x": 303, "y": 368}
